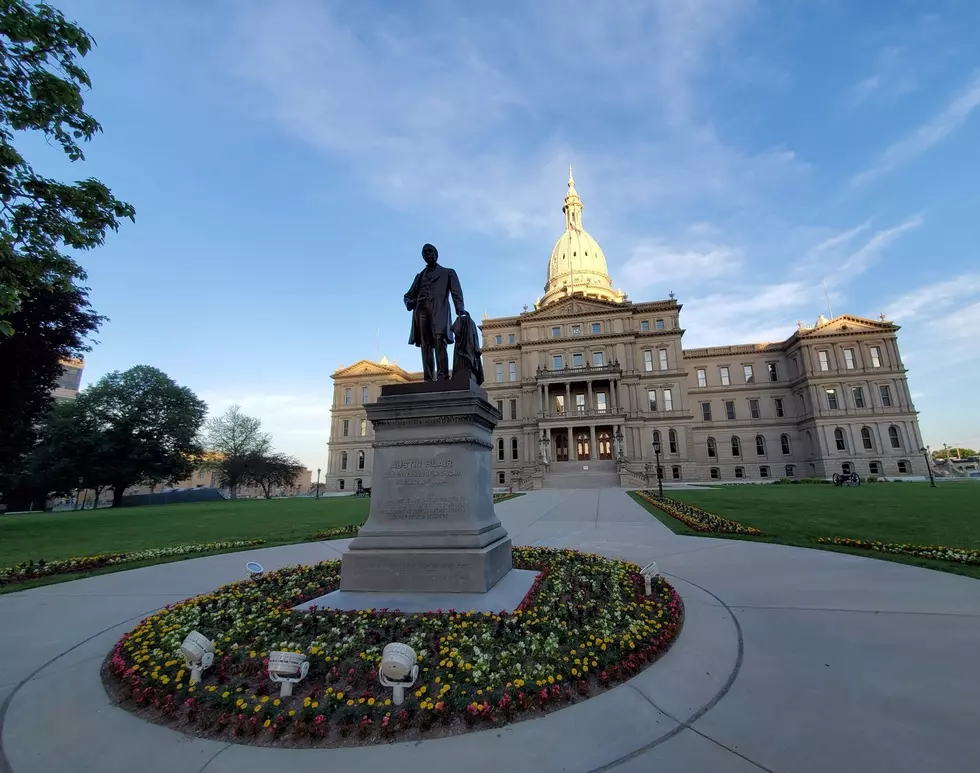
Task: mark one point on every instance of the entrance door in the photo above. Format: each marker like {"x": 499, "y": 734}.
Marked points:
{"x": 561, "y": 446}
{"x": 582, "y": 448}
{"x": 603, "y": 439}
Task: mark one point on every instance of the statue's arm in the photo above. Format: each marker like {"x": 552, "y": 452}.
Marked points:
{"x": 456, "y": 292}
{"x": 413, "y": 293}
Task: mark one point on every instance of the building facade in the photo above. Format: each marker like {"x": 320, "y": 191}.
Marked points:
{"x": 587, "y": 380}
{"x": 70, "y": 381}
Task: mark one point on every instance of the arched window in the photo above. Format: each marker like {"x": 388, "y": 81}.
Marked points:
{"x": 839, "y": 439}
{"x": 712, "y": 449}
{"x": 760, "y": 445}
{"x": 360, "y": 460}
{"x": 672, "y": 440}
{"x": 739, "y": 472}
{"x": 784, "y": 443}
{"x": 500, "y": 449}
{"x": 736, "y": 446}
{"x": 866, "y": 439}
{"x": 513, "y": 448}
{"x": 656, "y": 436}
{"x": 894, "y": 438}
{"x": 343, "y": 460}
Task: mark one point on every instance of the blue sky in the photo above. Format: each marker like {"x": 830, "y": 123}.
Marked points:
{"x": 287, "y": 160}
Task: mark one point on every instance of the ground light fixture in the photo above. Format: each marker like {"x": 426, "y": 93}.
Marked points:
{"x": 253, "y": 568}
{"x": 398, "y": 670}
{"x": 198, "y": 653}
{"x": 287, "y": 669}
{"x": 650, "y": 572}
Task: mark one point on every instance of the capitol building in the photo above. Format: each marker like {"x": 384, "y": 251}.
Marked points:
{"x": 587, "y": 381}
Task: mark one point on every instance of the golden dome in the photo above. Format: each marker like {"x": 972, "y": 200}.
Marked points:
{"x": 577, "y": 265}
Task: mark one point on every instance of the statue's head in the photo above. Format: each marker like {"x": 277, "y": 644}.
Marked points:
{"x": 429, "y": 254}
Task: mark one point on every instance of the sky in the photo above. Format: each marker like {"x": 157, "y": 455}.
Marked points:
{"x": 287, "y": 160}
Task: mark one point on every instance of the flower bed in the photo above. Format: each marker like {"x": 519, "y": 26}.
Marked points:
{"x": 938, "y": 552}
{"x": 585, "y": 625}
{"x": 504, "y": 497}
{"x": 694, "y": 517}
{"x": 336, "y": 533}
{"x": 32, "y": 570}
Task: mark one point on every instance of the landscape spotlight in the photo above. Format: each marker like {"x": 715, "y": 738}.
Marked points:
{"x": 253, "y": 568}
{"x": 649, "y": 574}
{"x": 398, "y": 670}
{"x": 287, "y": 668}
{"x": 198, "y": 653}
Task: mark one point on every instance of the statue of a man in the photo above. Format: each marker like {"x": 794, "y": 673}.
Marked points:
{"x": 428, "y": 300}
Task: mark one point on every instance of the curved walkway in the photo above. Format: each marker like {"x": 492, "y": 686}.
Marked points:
{"x": 790, "y": 660}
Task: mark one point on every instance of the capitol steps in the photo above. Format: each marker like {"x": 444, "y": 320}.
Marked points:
{"x": 574, "y": 475}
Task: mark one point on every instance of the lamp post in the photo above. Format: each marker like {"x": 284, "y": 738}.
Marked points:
{"x": 317, "y": 483}
{"x": 925, "y": 453}
{"x": 660, "y": 471}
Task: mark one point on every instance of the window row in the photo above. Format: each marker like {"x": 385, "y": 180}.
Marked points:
{"x": 662, "y": 360}
{"x": 755, "y": 411}
{"x": 867, "y": 438}
{"x": 850, "y": 358}
{"x": 748, "y": 374}
{"x": 499, "y": 339}
{"x": 361, "y": 428}
{"x": 835, "y": 401}
{"x": 671, "y": 441}
{"x": 760, "y": 446}
{"x": 764, "y": 472}
{"x": 577, "y": 360}
{"x": 349, "y": 395}
{"x": 359, "y": 460}
{"x": 667, "y": 403}
{"x": 512, "y": 409}
{"x": 514, "y": 452}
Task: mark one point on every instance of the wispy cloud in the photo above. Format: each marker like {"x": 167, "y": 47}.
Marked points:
{"x": 838, "y": 239}
{"x": 893, "y": 76}
{"x": 862, "y": 259}
{"x": 935, "y": 298}
{"x": 657, "y": 263}
{"x": 926, "y": 136}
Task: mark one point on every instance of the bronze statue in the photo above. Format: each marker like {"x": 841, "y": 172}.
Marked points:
{"x": 467, "y": 360}
{"x": 428, "y": 300}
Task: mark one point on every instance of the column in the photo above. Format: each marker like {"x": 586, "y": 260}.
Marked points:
{"x": 593, "y": 454}
{"x": 614, "y": 395}
{"x": 589, "y": 405}
{"x": 568, "y": 404}
{"x": 551, "y": 446}
{"x": 571, "y": 445}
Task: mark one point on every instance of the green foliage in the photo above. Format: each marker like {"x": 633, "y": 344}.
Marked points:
{"x": 270, "y": 471}
{"x": 41, "y": 85}
{"x": 954, "y": 453}
{"x": 234, "y": 442}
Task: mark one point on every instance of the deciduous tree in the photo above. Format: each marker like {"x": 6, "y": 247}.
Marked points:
{"x": 231, "y": 440}
{"x": 271, "y": 471}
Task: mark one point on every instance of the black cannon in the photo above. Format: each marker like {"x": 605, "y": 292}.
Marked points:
{"x": 847, "y": 479}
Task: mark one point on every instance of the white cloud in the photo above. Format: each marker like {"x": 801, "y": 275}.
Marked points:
{"x": 934, "y": 297}
{"x": 652, "y": 263}
{"x": 838, "y": 239}
{"x": 927, "y": 135}
{"x": 860, "y": 260}
{"x": 893, "y": 76}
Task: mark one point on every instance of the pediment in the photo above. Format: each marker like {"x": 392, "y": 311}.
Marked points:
{"x": 569, "y": 307}
{"x": 848, "y": 324}
{"x": 368, "y": 368}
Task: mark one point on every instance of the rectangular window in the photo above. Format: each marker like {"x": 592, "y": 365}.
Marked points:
{"x": 364, "y": 395}
{"x": 886, "y": 395}
{"x": 706, "y": 411}
{"x": 363, "y": 427}
{"x": 784, "y": 444}
{"x": 849, "y": 359}
{"x": 675, "y": 473}
{"x": 672, "y": 441}
{"x": 702, "y": 377}
{"x": 577, "y": 360}
{"x": 512, "y": 371}
{"x": 499, "y": 340}
{"x": 500, "y": 371}
{"x": 556, "y": 362}
{"x": 796, "y": 366}
{"x": 560, "y": 405}
{"x": 347, "y": 396}
{"x": 875, "y": 357}
{"x": 789, "y": 470}
{"x": 730, "y": 410}
{"x": 663, "y": 359}
{"x": 749, "y": 374}
{"x": 779, "y": 407}
{"x": 647, "y": 360}
{"x": 866, "y": 439}
{"x": 500, "y": 478}
{"x": 576, "y": 330}
{"x": 652, "y": 399}
{"x": 763, "y": 472}
{"x": 903, "y": 466}
{"x": 600, "y": 402}
{"x": 580, "y": 403}
{"x": 832, "y": 399}
{"x": 555, "y": 332}
{"x": 754, "y": 409}
{"x": 874, "y": 468}
{"x": 714, "y": 473}
{"x": 824, "y": 360}
{"x": 645, "y": 325}
{"x": 858, "y": 393}
{"x": 739, "y": 472}
{"x": 597, "y": 358}
{"x": 513, "y": 409}
{"x": 726, "y": 377}
{"x": 773, "y": 373}
{"x": 660, "y": 324}
{"x": 596, "y": 328}
{"x": 668, "y": 401}
{"x": 500, "y": 408}
{"x": 346, "y": 427}
{"x": 510, "y": 339}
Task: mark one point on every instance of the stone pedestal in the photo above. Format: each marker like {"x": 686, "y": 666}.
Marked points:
{"x": 432, "y": 526}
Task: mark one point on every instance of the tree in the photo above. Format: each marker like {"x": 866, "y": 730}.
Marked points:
{"x": 41, "y": 86}
{"x": 270, "y": 471}
{"x": 52, "y": 324}
{"x": 954, "y": 453}
{"x": 147, "y": 427}
{"x": 232, "y": 438}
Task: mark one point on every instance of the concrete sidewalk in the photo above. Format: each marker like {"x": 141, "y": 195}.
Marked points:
{"x": 790, "y": 659}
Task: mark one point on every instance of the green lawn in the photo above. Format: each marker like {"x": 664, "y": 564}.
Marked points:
{"x": 796, "y": 515}
{"x": 90, "y": 532}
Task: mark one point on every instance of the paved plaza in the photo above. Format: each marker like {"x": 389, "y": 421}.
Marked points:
{"x": 790, "y": 660}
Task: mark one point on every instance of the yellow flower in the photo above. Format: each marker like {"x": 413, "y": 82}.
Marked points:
{"x": 292, "y": 712}
{"x": 276, "y": 702}
{"x": 370, "y": 701}
{"x": 257, "y": 709}
{"x": 265, "y": 698}
{"x": 267, "y": 723}
{"x": 551, "y": 680}
{"x": 350, "y": 703}
{"x": 387, "y": 701}
{"x": 315, "y": 704}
